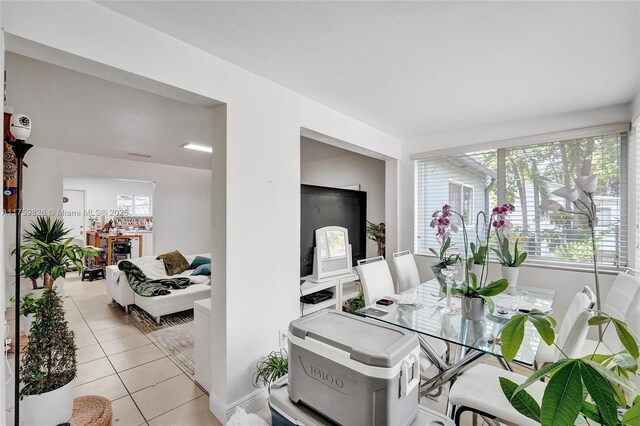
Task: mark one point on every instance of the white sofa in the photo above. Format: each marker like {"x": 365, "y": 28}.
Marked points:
{"x": 179, "y": 300}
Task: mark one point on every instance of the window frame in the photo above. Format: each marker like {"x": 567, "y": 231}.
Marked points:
{"x": 627, "y": 183}
{"x": 132, "y": 211}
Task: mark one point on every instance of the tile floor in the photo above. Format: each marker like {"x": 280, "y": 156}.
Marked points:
{"x": 145, "y": 384}
{"x": 117, "y": 360}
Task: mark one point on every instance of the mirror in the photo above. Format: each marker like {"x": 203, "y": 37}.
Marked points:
{"x": 332, "y": 253}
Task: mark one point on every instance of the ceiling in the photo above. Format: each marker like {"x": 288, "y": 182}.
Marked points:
{"x": 75, "y": 112}
{"x": 417, "y": 68}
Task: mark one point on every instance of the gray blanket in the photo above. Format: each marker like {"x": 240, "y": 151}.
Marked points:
{"x": 146, "y": 287}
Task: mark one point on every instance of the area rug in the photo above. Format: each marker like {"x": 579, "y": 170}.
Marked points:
{"x": 175, "y": 333}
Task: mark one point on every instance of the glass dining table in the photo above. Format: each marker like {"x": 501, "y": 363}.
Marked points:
{"x": 473, "y": 341}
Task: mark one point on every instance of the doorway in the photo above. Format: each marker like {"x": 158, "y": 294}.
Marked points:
{"x": 74, "y": 208}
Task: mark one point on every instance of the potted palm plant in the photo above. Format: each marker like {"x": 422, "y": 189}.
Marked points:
{"x": 48, "y": 369}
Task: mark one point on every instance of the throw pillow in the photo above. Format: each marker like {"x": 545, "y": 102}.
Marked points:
{"x": 203, "y": 270}
{"x": 174, "y": 262}
{"x": 199, "y": 260}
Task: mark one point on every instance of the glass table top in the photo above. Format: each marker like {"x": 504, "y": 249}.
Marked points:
{"x": 480, "y": 335}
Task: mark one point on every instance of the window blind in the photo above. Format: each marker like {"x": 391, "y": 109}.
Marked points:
{"x": 526, "y": 176}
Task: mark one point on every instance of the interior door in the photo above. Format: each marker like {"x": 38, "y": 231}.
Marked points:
{"x": 73, "y": 206}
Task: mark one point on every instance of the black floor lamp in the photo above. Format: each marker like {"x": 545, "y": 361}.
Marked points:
{"x": 20, "y": 128}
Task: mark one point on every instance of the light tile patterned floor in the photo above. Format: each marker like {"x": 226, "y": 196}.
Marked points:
{"x": 146, "y": 387}
{"x": 116, "y": 360}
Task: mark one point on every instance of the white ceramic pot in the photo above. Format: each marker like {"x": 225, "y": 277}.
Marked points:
{"x": 50, "y": 408}
{"x": 472, "y": 308}
{"x": 26, "y": 323}
{"x": 511, "y": 274}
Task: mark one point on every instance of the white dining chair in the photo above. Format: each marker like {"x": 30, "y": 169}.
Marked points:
{"x": 622, "y": 304}
{"x": 478, "y": 389}
{"x": 375, "y": 278}
{"x": 406, "y": 271}
{"x": 546, "y": 354}
{"x": 377, "y": 283}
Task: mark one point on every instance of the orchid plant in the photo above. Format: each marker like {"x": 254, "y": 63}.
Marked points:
{"x": 442, "y": 221}
{"x": 472, "y": 285}
{"x": 502, "y": 225}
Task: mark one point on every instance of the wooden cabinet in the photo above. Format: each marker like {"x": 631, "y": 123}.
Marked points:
{"x": 108, "y": 242}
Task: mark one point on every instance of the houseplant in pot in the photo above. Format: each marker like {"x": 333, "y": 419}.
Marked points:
{"x": 49, "y": 367}
{"x": 443, "y": 234}
{"x": 270, "y": 368}
{"x": 599, "y": 387}
{"x": 510, "y": 261}
{"x": 474, "y": 290}
{"x": 376, "y": 233}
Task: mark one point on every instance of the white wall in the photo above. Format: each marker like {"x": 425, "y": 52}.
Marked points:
{"x": 102, "y": 193}
{"x": 635, "y": 108}
{"x": 182, "y": 200}
{"x": 259, "y": 294}
{"x": 326, "y": 165}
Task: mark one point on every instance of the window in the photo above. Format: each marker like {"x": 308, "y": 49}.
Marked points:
{"x": 135, "y": 205}
{"x": 526, "y": 176}
{"x": 461, "y": 199}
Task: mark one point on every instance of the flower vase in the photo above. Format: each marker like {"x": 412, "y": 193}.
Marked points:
{"x": 511, "y": 274}
{"x": 472, "y": 308}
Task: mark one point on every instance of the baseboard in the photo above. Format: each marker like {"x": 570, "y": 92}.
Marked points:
{"x": 217, "y": 407}
{"x": 250, "y": 403}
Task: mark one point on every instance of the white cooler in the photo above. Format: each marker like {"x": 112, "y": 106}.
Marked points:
{"x": 353, "y": 370}
{"x": 285, "y": 413}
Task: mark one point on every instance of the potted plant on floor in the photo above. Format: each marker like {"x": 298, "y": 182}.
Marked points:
{"x": 48, "y": 369}
{"x": 270, "y": 368}
{"x": 475, "y": 291}
{"x": 48, "y": 253}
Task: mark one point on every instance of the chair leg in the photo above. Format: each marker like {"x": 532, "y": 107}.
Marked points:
{"x": 157, "y": 320}
{"x": 458, "y": 411}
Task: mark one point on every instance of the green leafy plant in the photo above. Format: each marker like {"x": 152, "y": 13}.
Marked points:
{"x": 47, "y": 255}
{"x": 478, "y": 253}
{"x": 29, "y": 304}
{"x": 448, "y": 260}
{"x": 376, "y": 233}
{"x": 504, "y": 253}
{"x": 271, "y": 367}
{"x": 50, "y": 361}
{"x": 352, "y": 305}
{"x": 472, "y": 286}
{"x": 596, "y": 386}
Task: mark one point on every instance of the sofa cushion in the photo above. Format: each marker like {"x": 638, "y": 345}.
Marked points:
{"x": 202, "y": 270}
{"x": 153, "y": 270}
{"x": 174, "y": 262}
{"x": 199, "y": 260}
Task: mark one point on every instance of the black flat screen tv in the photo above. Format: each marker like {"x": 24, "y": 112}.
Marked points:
{"x": 321, "y": 206}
